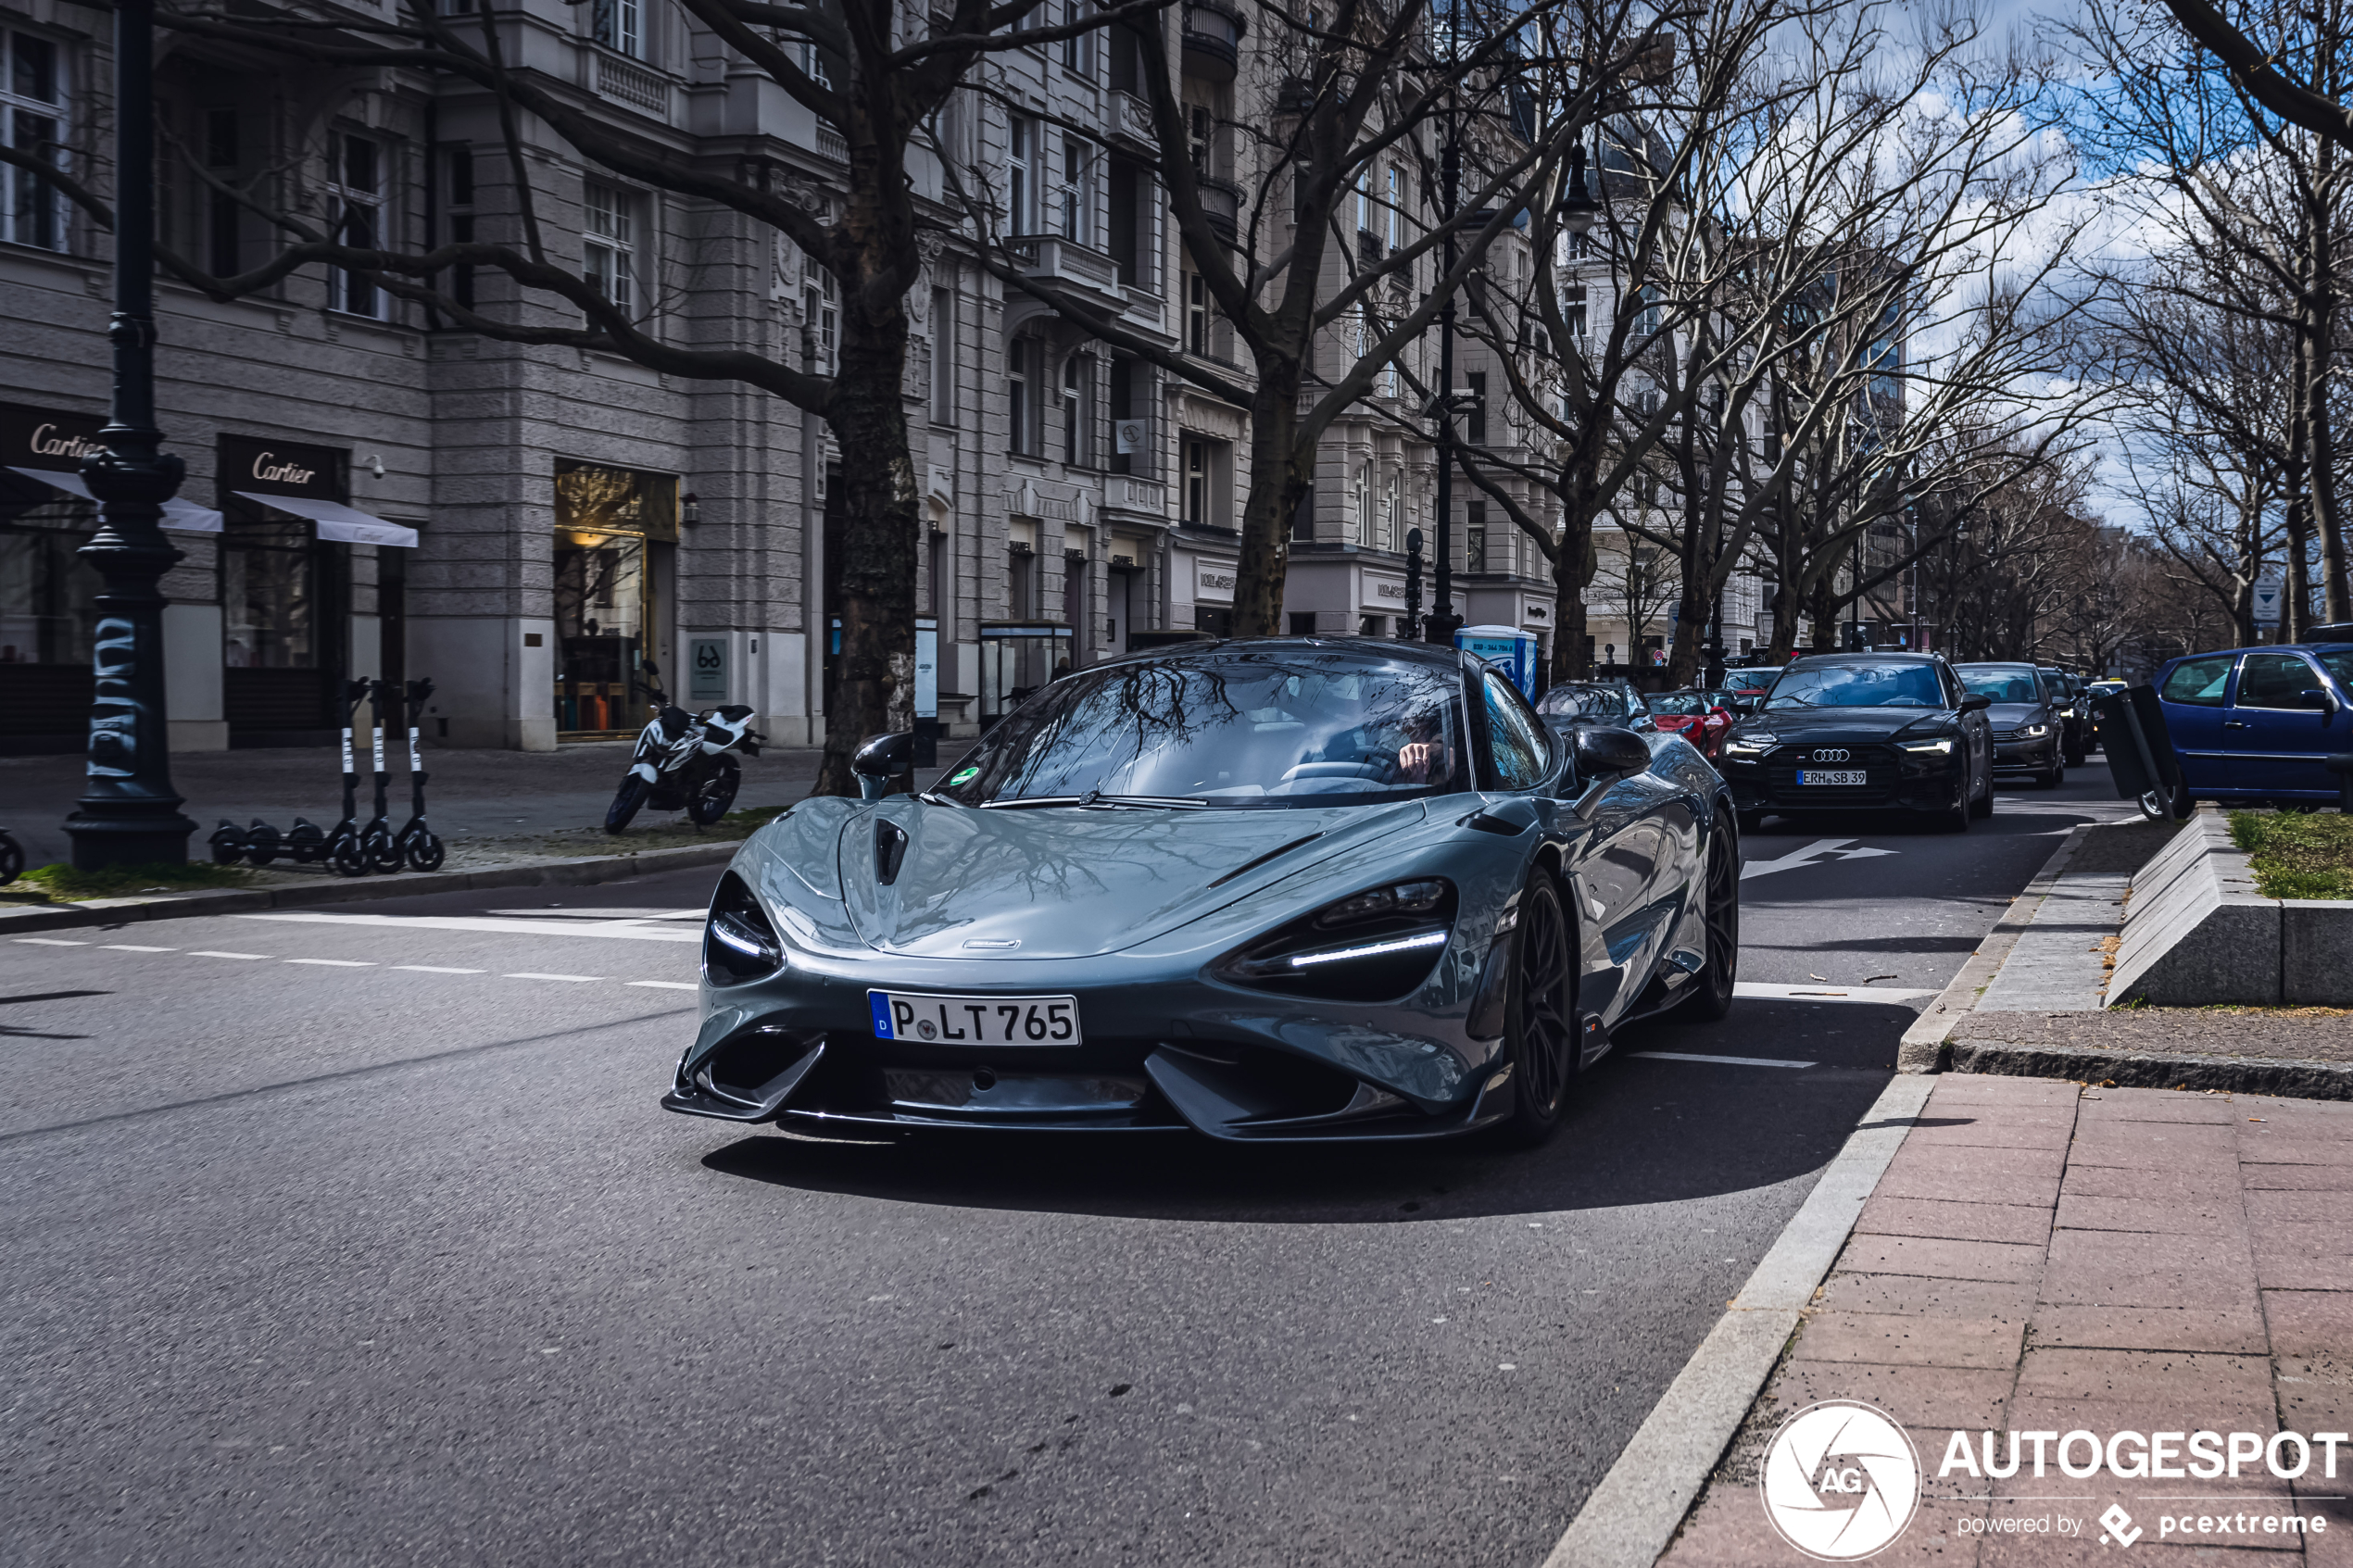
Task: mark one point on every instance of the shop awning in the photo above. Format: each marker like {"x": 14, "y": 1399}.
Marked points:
{"x": 338, "y": 521}
{"x": 186, "y": 516}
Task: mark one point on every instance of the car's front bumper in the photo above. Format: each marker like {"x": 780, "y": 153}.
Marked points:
{"x": 2037, "y": 755}
{"x": 1893, "y": 780}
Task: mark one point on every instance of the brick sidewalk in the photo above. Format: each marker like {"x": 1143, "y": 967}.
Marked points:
{"x": 2044, "y": 1257}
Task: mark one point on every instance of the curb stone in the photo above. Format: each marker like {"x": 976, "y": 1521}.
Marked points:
{"x": 584, "y": 872}
{"x": 2285, "y": 1077}
{"x": 1633, "y": 1514}
{"x": 1923, "y": 1048}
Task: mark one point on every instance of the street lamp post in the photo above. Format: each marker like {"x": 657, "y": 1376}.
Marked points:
{"x": 129, "y": 812}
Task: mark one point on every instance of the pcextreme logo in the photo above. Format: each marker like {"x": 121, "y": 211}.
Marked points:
{"x": 1841, "y": 1480}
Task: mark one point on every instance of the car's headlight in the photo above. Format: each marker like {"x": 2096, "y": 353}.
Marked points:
{"x": 1380, "y": 943}
{"x": 1751, "y": 744}
{"x": 1940, "y": 746}
{"x": 739, "y": 945}
{"x": 2033, "y": 732}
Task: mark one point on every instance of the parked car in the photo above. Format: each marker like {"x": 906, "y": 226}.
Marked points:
{"x": 1750, "y": 683}
{"x": 2252, "y": 724}
{"x": 1614, "y": 703}
{"x": 1276, "y": 890}
{"x": 1864, "y": 732}
{"x": 2028, "y": 732}
{"x": 1696, "y": 716}
{"x": 2070, "y": 693}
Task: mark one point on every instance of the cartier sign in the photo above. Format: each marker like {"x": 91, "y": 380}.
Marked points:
{"x": 281, "y": 468}
{"x": 47, "y": 439}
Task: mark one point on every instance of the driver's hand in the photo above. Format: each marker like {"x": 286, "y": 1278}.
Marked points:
{"x": 1414, "y": 762}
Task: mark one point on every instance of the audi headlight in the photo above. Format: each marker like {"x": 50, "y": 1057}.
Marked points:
{"x": 1380, "y": 943}
{"x": 739, "y": 945}
{"x": 1750, "y": 746}
{"x": 1941, "y": 747}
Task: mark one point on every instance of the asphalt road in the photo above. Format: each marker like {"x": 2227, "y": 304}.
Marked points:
{"x": 342, "y": 1238}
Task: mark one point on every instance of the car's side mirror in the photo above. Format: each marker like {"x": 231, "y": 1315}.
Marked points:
{"x": 2314, "y": 698}
{"x": 1976, "y": 701}
{"x": 1604, "y": 751}
{"x": 880, "y": 758}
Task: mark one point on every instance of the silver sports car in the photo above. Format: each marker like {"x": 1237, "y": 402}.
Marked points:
{"x": 1268, "y": 890}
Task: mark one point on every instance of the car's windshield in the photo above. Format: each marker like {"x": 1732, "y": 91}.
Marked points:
{"x": 1270, "y": 726}
{"x": 1677, "y": 702}
{"x": 1749, "y": 680}
{"x": 2000, "y": 685}
{"x": 1582, "y": 702}
{"x": 1857, "y": 685}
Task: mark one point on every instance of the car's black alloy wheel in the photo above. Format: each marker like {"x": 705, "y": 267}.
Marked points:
{"x": 1711, "y": 995}
{"x": 1541, "y": 1034}
{"x": 1963, "y": 806}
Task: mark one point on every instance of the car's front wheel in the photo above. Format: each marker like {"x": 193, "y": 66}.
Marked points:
{"x": 1540, "y": 1021}
{"x": 1711, "y": 997}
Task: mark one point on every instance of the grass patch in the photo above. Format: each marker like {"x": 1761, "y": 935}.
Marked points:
{"x": 61, "y": 884}
{"x": 2296, "y": 853}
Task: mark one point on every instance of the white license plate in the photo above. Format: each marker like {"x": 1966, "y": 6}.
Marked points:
{"x": 1834, "y": 776}
{"x": 975, "y": 1021}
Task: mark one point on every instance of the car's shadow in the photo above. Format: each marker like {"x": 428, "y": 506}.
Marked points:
{"x": 1642, "y": 1131}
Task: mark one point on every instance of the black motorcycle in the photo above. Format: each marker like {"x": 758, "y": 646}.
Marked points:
{"x": 684, "y": 760}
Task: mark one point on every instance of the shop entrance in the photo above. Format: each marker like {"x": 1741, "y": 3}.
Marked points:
{"x": 284, "y": 594}
{"x": 47, "y": 616}
{"x": 615, "y": 529}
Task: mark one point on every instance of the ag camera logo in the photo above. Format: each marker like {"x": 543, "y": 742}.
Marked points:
{"x": 1841, "y": 1480}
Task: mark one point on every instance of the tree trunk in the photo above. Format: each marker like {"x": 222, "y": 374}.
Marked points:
{"x": 1278, "y": 482}
{"x": 1573, "y": 570}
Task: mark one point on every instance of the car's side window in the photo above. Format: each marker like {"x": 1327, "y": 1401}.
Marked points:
{"x": 2274, "y": 680}
{"x": 2198, "y": 682}
{"x": 1515, "y": 740}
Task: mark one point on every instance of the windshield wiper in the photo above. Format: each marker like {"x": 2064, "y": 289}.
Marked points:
{"x": 1095, "y": 798}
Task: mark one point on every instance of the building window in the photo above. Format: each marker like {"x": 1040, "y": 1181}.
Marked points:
{"x": 222, "y": 156}
{"x": 458, "y": 192}
{"x": 821, "y": 318}
{"x": 1475, "y": 422}
{"x": 1389, "y": 514}
{"x": 1195, "y": 315}
{"x": 943, "y": 357}
{"x": 620, "y": 27}
{"x": 1021, "y": 136}
{"x": 1474, "y": 537}
{"x": 1200, "y": 469}
{"x": 1363, "y": 503}
{"x": 1021, "y": 391}
{"x": 1364, "y": 201}
{"x": 1078, "y": 385}
{"x": 1573, "y": 308}
{"x": 609, "y": 249}
{"x": 355, "y": 198}
{"x": 1396, "y": 208}
{"x": 1079, "y": 180}
{"x": 32, "y": 113}
{"x": 1197, "y": 137}
{"x": 1078, "y": 50}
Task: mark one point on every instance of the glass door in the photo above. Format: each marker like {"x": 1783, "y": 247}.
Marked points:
{"x": 601, "y": 598}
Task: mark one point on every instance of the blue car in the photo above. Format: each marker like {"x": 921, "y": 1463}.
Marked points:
{"x": 2259, "y": 724}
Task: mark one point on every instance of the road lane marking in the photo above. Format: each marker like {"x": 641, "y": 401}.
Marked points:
{"x": 210, "y": 953}
{"x": 1761, "y": 990}
{"x": 584, "y": 979}
{"x": 665, "y": 985}
{"x": 625, "y": 930}
{"x": 1718, "y": 1061}
{"x": 1796, "y": 858}
{"x": 48, "y": 942}
{"x": 434, "y": 969}
{"x": 338, "y": 963}
{"x": 134, "y": 947}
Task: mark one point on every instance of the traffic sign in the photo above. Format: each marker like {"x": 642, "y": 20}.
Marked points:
{"x": 2269, "y": 593}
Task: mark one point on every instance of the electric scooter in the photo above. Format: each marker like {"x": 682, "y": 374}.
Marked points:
{"x": 343, "y": 840}
{"x": 416, "y": 841}
{"x": 375, "y": 839}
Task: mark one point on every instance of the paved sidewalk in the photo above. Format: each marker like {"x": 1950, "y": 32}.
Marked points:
{"x": 2041, "y": 1256}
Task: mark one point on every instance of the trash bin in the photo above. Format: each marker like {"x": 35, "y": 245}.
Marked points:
{"x": 1509, "y": 649}
{"x": 2140, "y": 752}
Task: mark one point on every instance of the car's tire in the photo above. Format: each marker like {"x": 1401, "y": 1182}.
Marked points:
{"x": 2075, "y": 756}
{"x": 715, "y": 795}
{"x": 1983, "y": 806}
{"x": 1711, "y": 997}
{"x": 1956, "y": 817}
{"x": 2051, "y": 778}
{"x": 625, "y": 801}
{"x": 1750, "y": 821}
{"x": 1539, "y": 1017}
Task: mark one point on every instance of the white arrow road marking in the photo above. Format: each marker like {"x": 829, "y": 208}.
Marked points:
{"x": 1762, "y": 990}
{"x": 1797, "y": 858}
{"x": 629, "y": 930}
{"x": 1863, "y": 853}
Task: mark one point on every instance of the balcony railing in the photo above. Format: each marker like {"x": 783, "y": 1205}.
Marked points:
{"x": 1213, "y": 39}
{"x": 1051, "y": 258}
{"x": 1221, "y": 204}
{"x": 626, "y": 82}
{"x": 1137, "y": 497}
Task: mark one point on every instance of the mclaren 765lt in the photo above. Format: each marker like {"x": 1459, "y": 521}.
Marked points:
{"x": 1270, "y": 890}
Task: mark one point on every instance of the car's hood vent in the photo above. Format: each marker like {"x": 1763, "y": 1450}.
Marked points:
{"x": 1062, "y": 882}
